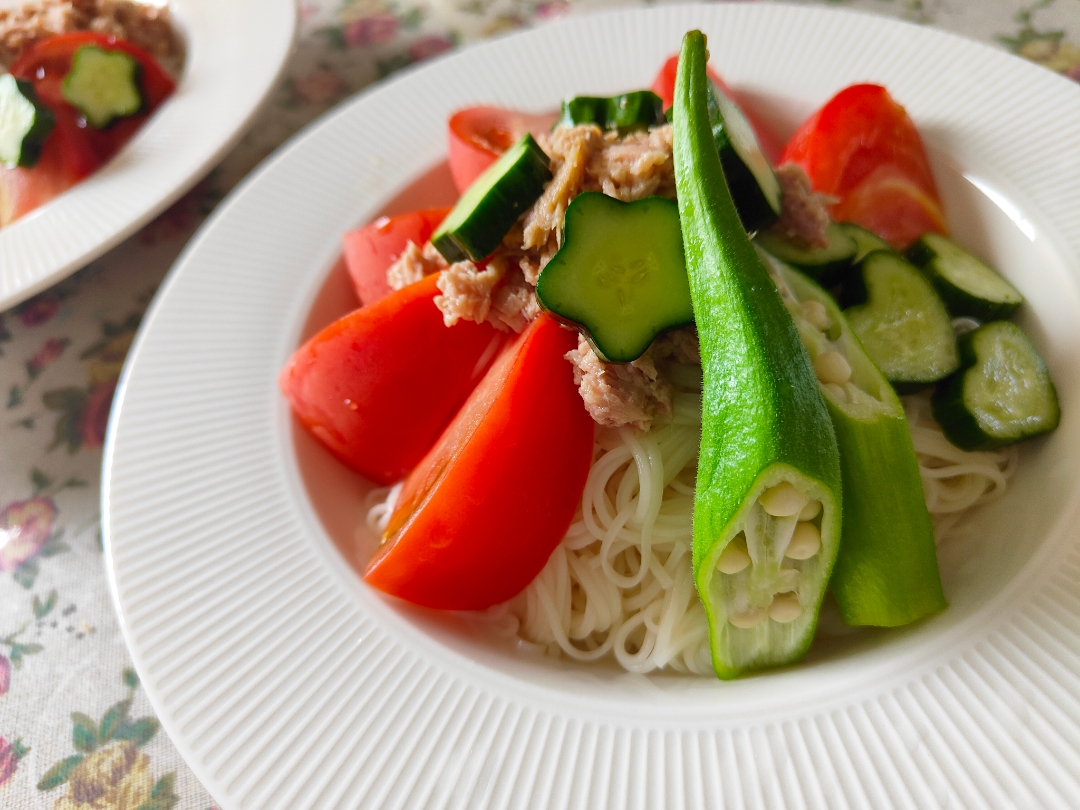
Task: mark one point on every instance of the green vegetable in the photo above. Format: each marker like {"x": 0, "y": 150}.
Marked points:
{"x": 493, "y": 203}
{"x": 1001, "y": 394}
{"x": 903, "y": 325}
{"x": 631, "y": 111}
{"x": 768, "y": 451}
{"x": 865, "y": 241}
{"x": 619, "y": 274}
{"x": 25, "y": 123}
{"x": 966, "y": 285}
{"x": 827, "y": 265}
{"x": 886, "y": 573}
{"x": 103, "y": 85}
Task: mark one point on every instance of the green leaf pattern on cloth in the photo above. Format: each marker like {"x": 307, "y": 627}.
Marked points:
{"x": 76, "y": 732}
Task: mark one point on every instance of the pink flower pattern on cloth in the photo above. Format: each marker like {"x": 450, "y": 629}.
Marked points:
{"x": 76, "y": 731}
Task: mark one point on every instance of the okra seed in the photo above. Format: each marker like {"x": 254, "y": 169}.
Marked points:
{"x": 837, "y": 393}
{"x": 810, "y": 511}
{"x": 785, "y": 608}
{"x": 783, "y": 500}
{"x": 817, "y": 315}
{"x": 750, "y": 618}
{"x": 831, "y": 367}
{"x": 735, "y": 557}
{"x": 805, "y": 542}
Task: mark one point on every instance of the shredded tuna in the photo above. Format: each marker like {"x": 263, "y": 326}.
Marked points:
{"x": 570, "y": 149}
{"x": 513, "y": 304}
{"x": 680, "y": 345}
{"x": 618, "y": 394}
{"x": 803, "y": 213}
{"x": 149, "y": 27}
{"x": 466, "y": 291}
{"x": 413, "y": 264}
{"x": 633, "y": 167}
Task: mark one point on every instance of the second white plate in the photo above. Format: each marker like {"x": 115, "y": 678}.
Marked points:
{"x": 286, "y": 682}
{"x": 235, "y": 51}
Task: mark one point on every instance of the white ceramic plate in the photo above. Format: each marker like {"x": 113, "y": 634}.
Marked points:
{"x": 287, "y": 683}
{"x": 235, "y": 51}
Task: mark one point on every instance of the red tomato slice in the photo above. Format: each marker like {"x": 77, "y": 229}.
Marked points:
{"x": 370, "y": 250}
{"x": 378, "y": 386}
{"x": 478, "y": 135}
{"x": 843, "y": 148}
{"x": 664, "y": 86}
{"x": 73, "y": 150}
{"x": 478, "y": 518}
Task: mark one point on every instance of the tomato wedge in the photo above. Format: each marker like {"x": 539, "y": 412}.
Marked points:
{"x": 664, "y": 86}
{"x": 370, "y": 250}
{"x": 862, "y": 148}
{"x": 478, "y": 518}
{"x": 73, "y": 150}
{"x": 478, "y": 135}
{"x": 378, "y": 386}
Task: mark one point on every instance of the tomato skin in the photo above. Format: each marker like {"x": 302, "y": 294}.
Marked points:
{"x": 478, "y": 135}
{"x": 664, "y": 86}
{"x": 73, "y": 150}
{"x": 370, "y": 250}
{"x": 862, "y": 148}
{"x": 378, "y": 386}
{"x": 478, "y": 518}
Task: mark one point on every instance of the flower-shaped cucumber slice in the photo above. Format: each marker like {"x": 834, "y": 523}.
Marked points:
{"x": 103, "y": 85}
{"x": 620, "y": 275}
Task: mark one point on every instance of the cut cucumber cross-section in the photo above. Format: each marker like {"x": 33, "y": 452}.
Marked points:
{"x": 1002, "y": 394}
{"x": 620, "y": 273}
{"x": 903, "y": 325}
{"x": 866, "y": 241}
{"x": 24, "y": 123}
{"x": 966, "y": 285}
{"x": 103, "y": 85}
{"x": 493, "y": 203}
{"x": 826, "y": 265}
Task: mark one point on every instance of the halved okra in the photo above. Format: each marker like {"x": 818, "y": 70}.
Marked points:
{"x": 886, "y": 572}
{"x": 767, "y": 503}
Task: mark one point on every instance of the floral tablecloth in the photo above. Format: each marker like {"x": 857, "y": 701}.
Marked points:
{"x": 75, "y": 729}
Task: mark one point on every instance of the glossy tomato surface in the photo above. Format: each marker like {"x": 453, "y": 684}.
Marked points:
{"x": 862, "y": 148}
{"x": 478, "y": 135}
{"x": 478, "y": 518}
{"x": 378, "y": 386}
{"x": 73, "y": 150}
{"x": 370, "y": 250}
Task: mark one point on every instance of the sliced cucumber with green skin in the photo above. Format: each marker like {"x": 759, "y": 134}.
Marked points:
{"x": 25, "y": 123}
{"x": 768, "y": 451}
{"x": 492, "y": 204}
{"x": 750, "y": 177}
{"x": 1002, "y": 394}
{"x": 624, "y": 113}
{"x": 620, "y": 275}
{"x": 966, "y": 285}
{"x": 826, "y": 265}
{"x": 903, "y": 325}
{"x": 866, "y": 241}
{"x": 886, "y": 572}
{"x": 103, "y": 85}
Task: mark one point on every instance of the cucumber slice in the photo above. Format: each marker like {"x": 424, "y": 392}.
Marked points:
{"x": 625, "y": 113}
{"x": 866, "y": 241}
{"x": 620, "y": 274}
{"x": 1002, "y": 394}
{"x": 903, "y": 325}
{"x": 103, "y": 85}
{"x": 750, "y": 178}
{"x": 826, "y": 265}
{"x": 493, "y": 203}
{"x": 24, "y": 123}
{"x": 966, "y": 285}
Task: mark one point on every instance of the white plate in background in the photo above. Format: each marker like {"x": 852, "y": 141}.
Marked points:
{"x": 286, "y": 682}
{"x": 235, "y": 51}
